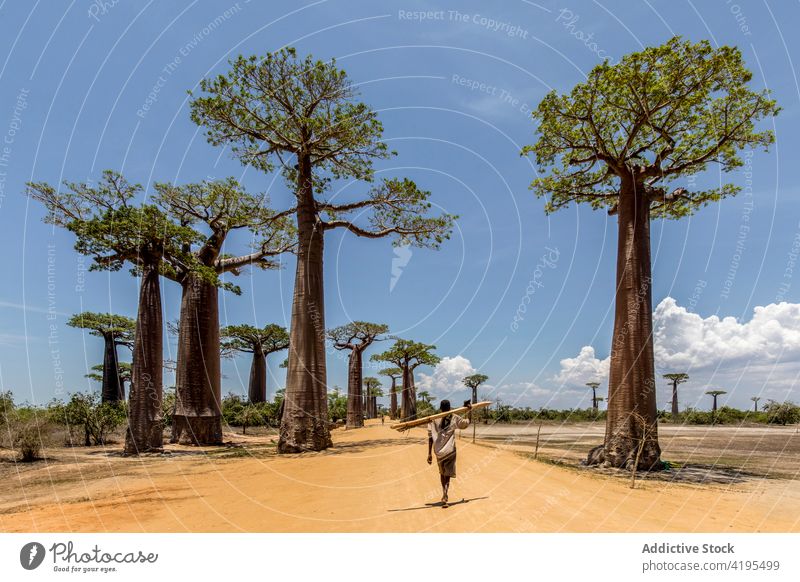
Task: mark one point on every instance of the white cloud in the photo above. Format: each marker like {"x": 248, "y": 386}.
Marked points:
{"x": 446, "y": 377}
{"x": 585, "y": 367}
{"x": 757, "y": 357}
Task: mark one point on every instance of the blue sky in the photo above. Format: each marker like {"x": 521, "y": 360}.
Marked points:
{"x": 86, "y": 86}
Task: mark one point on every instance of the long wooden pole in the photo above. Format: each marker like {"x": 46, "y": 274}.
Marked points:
{"x": 421, "y": 421}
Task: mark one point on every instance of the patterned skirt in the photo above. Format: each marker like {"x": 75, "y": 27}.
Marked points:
{"x": 447, "y": 465}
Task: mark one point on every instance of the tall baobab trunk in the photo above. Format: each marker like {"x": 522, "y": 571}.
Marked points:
{"x": 304, "y": 425}
{"x": 355, "y": 411}
{"x": 632, "y": 371}
{"x": 594, "y": 399}
{"x": 474, "y": 394}
{"x": 393, "y": 401}
{"x": 145, "y": 432}
{"x": 675, "y": 413}
{"x": 408, "y": 402}
{"x": 373, "y": 402}
{"x": 112, "y": 389}
{"x": 257, "y": 388}
{"x": 198, "y": 418}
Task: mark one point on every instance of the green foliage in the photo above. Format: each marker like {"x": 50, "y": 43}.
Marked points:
{"x": 355, "y": 334}
{"x": 372, "y": 386}
{"x": 280, "y": 108}
{"x": 408, "y": 353}
{"x": 124, "y": 368}
{"x": 7, "y": 407}
{"x": 168, "y": 401}
{"x": 337, "y": 406}
{"x": 474, "y": 380}
{"x": 236, "y": 411}
{"x": 247, "y": 338}
{"x": 425, "y": 408}
{"x": 111, "y": 229}
{"x": 782, "y": 412}
{"x": 86, "y": 416}
{"x": 221, "y": 207}
{"x": 101, "y": 324}
{"x": 654, "y": 117}
{"x": 29, "y": 438}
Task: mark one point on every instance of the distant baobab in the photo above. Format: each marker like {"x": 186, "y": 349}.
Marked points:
{"x": 676, "y": 379}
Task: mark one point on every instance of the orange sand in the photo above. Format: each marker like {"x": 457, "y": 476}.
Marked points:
{"x": 373, "y": 480}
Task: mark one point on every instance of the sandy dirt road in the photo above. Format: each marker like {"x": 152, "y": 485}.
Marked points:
{"x": 373, "y": 480}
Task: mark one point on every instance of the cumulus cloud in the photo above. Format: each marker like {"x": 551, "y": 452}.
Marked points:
{"x": 446, "y": 376}
{"x": 585, "y": 367}
{"x": 756, "y": 357}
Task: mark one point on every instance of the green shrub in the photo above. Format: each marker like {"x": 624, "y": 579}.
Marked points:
{"x": 28, "y": 439}
{"x": 782, "y": 412}
{"x": 85, "y": 416}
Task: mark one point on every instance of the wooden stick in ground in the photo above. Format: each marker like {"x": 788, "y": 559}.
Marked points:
{"x": 422, "y": 421}
{"x": 471, "y": 413}
{"x": 538, "y": 431}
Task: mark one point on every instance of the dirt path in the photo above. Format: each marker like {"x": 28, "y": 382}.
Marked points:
{"x": 373, "y": 480}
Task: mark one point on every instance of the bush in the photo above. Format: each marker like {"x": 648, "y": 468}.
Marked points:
{"x": 782, "y": 412}
{"x": 84, "y": 413}
{"x": 28, "y": 439}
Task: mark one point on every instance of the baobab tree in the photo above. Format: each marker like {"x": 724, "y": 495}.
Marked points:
{"x": 714, "y": 394}
{"x": 372, "y": 390}
{"x": 473, "y": 382}
{"x": 112, "y": 229}
{"x": 394, "y": 374}
{"x": 260, "y": 342}
{"x": 593, "y": 386}
{"x": 755, "y": 400}
{"x": 116, "y": 330}
{"x": 123, "y": 371}
{"x": 408, "y": 356}
{"x": 355, "y": 337}
{"x": 221, "y": 207}
{"x": 621, "y": 141}
{"x": 303, "y": 115}
{"x": 676, "y": 379}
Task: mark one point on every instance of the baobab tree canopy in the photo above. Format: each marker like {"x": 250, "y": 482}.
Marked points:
{"x": 408, "y": 355}
{"x": 303, "y": 115}
{"x": 356, "y": 337}
{"x": 248, "y": 338}
{"x": 257, "y": 341}
{"x": 657, "y": 116}
{"x": 113, "y": 229}
{"x": 473, "y": 382}
{"x": 115, "y": 330}
{"x": 620, "y": 141}
{"x": 216, "y": 209}
{"x": 120, "y": 327}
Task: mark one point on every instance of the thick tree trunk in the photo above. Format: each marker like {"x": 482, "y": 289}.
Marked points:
{"x": 304, "y": 426}
{"x": 393, "y": 401}
{"x": 355, "y": 411}
{"x": 257, "y": 389}
{"x": 632, "y": 373}
{"x": 112, "y": 389}
{"x": 674, "y": 401}
{"x": 373, "y": 406}
{"x": 594, "y": 399}
{"x": 474, "y": 394}
{"x": 409, "y": 400}
{"x": 198, "y": 418}
{"x": 145, "y": 430}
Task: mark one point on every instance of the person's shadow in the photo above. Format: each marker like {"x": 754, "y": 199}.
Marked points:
{"x": 439, "y": 504}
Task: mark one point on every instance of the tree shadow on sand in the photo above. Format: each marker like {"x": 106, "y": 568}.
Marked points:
{"x": 439, "y": 504}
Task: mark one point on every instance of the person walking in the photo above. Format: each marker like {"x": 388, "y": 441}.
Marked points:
{"x": 442, "y": 443}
